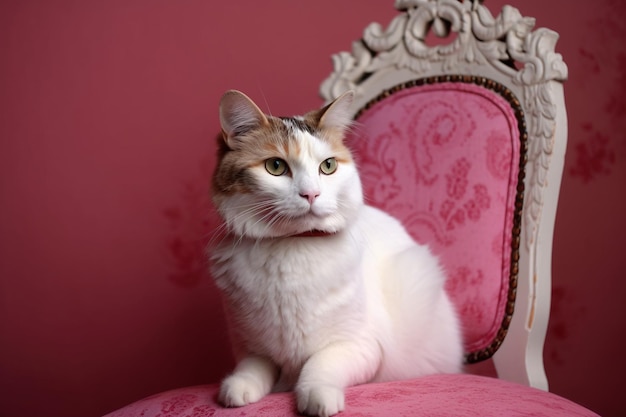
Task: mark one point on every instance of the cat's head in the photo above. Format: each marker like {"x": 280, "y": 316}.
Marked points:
{"x": 281, "y": 176}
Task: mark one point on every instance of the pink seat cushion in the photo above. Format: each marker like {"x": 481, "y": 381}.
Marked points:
{"x": 444, "y": 159}
{"x": 436, "y": 395}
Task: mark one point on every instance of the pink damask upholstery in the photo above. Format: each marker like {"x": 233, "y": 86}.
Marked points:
{"x": 437, "y": 395}
{"x": 444, "y": 159}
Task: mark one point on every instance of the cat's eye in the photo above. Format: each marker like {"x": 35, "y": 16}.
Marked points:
{"x": 276, "y": 166}
{"x": 329, "y": 166}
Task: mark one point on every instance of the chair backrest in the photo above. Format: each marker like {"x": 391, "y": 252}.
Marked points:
{"x": 463, "y": 138}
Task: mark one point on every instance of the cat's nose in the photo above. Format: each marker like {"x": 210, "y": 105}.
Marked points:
{"x": 310, "y": 196}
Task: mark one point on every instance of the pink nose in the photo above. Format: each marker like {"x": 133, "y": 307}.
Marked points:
{"x": 310, "y": 196}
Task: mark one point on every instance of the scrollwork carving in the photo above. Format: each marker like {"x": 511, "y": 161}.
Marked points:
{"x": 506, "y": 43}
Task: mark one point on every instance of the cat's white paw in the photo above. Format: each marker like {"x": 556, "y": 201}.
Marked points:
{"x": 320, "y": 400}
{"x": 240, "y": 390}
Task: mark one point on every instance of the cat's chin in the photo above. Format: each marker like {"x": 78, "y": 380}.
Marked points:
{"x": 307, "y": 226}
{"x": 314, "y": 233}
{"x": 282, "y": 235}
{"x": 309, "y": 233}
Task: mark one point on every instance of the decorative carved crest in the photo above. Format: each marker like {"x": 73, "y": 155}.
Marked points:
{"x": 506, "y": 44}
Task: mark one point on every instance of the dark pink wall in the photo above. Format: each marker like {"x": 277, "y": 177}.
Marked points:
{"x": 107, "y": 123}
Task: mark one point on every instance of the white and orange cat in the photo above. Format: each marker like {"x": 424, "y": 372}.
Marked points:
{"x": 322, "y": 291}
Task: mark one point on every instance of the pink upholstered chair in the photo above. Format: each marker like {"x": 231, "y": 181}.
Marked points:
{"x": 463, "y": 141}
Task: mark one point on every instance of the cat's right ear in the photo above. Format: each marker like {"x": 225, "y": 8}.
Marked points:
{"x": 338, "y": 114}
{"x": 239, "y": 114}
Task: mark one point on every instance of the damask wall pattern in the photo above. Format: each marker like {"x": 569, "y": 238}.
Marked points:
{"x": 597, "y": 142}
{"x": 107, "y": 137}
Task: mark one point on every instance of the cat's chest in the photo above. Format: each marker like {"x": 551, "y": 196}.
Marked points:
{"x": 307, "y": 268}
{"x": 290, "y": 282}
{"x": 287, "y": 298}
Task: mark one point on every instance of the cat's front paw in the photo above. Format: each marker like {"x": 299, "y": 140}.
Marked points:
{"x": 320, "y": 400}
{"x": 240, "y": 390}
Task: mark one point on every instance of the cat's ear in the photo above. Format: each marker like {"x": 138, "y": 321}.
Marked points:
{"x": 239, "y": 114}
{"x": 337, "y": 115}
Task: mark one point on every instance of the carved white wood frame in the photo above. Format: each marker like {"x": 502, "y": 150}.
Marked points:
{"x": 505, "y": 49}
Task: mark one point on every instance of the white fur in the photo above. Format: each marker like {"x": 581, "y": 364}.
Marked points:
{"x": 318, "y": 314}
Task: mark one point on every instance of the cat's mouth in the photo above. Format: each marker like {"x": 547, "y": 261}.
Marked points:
{"x": 310, "y": 214}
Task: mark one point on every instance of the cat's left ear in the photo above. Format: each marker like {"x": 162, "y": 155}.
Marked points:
{"x": 337, "y": 115}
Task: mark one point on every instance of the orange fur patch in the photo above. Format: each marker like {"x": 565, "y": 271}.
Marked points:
{"x": 257, "y": 145}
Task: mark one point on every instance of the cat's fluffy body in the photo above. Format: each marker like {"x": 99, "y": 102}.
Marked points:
{"x": 356, "y": 301}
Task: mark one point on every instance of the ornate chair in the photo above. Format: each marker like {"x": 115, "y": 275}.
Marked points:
{"x": 461, "y": 133}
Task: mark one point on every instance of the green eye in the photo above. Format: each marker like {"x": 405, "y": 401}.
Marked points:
{"x": 329, "y": 166}
{"x": 276, "y": 166}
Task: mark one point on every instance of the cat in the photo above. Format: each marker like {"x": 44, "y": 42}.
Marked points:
{"x": 321, "y": 290}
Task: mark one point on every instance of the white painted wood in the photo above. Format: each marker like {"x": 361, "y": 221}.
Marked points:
{"x": 484, "y": 45}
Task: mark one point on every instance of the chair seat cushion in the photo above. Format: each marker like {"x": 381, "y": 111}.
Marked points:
{"x": 436, "y": 395}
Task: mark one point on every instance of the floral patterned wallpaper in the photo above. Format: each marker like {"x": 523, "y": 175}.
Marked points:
{"x": 581, "y": 353}
{"x": 107, "y": 133}
{"x": 601, "y": 74}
